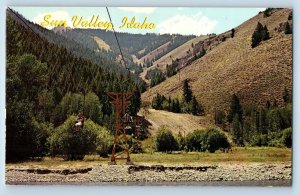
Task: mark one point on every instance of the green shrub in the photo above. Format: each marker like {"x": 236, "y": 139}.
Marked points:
{"x": 215, "y": 140}
{"x": 210, "y": 139}
{"x": 104, "y": 143}
{"x": 275, "y": 139}
{"x": 181, "y": 142}
{"x": 73, "y": 145}
{"x": 42, "y": 131}
{"x": 287, "y": 137}
{"x": 259, "y": 140}
{"x": 135, "y": 146}
{"x": 165, "y": 141}
{"x": 195, "y": 141}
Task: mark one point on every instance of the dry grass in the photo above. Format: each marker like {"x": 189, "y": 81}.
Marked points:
{"x": 255, "y": 75}
{"x": 179, "y": 52}
{"x": 150, "y": 56}
{"x": 101, "y": 44}
{"x": 238, "y": 155}
{"x": 176, "y": 122}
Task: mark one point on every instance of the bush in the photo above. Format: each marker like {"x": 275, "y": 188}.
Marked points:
{"x": 181, "y": 142}
{"x": 104, "y": 143}
{"x": 42, "y": 131}
{"x": 74, "y": 145}
{"x": 165, "y": 141}
{"x": 135, "y": 146}
{"x": 210, "y": 139}
{"x": 260, "y": 140}
{"x": 195, "y": 141}
{"x": 287, "y": 137}
{"x": 215, "y": 139}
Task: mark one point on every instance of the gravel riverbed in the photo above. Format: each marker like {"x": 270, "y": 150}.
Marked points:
{"x": 276, "y": 174}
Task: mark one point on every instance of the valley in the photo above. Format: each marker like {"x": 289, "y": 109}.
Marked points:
{"x": 185, "y": 108}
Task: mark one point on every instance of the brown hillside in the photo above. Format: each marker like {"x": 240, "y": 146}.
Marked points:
{"x": 233, "y": 67}
{"x": 176, "y": 122}
{"x": 101, "y": 44}
{"x": 179, "y": 52}
{"x": 152, "y": 55}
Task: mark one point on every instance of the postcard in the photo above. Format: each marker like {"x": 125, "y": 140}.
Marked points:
{"x": 149, "y": 96}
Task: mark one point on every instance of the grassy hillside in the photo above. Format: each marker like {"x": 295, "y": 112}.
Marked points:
{"x": 151, "y": 56}
{"x": 101, "y": 44}
{"x": 179, "y": 52}
{"x": 233, "y": 67}
{"x": 176, "y": 122}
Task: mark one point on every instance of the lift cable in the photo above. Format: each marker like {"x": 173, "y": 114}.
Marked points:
{"x": 23, "y": 22}
{"x": 116, "y": 39}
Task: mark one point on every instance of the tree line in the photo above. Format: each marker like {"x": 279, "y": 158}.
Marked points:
{"x": 259, "y": 126}
{"x": 210, "y": 139}
{"x": 189, "y": 104}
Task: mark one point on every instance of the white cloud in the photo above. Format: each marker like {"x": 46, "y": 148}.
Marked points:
{"x": 138, "y": 10}
{"x": 57, "y": 15}
{"x": 186, "y": 25}
{"x": 262, "y": 9}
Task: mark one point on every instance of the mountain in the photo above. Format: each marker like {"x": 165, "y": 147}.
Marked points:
{"x": 66, "y": 72}
{"x": 134, "y": 46}
{"x": 167, "y": 59}
{"x": 231, "y": 66}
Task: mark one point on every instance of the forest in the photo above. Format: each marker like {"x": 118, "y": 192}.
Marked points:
{"x": 46, "y": 87}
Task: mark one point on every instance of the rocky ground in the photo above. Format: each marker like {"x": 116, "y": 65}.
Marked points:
{"x": 226, "y": 174}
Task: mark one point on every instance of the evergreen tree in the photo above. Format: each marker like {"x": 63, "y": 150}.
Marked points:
{"x": 197, "y": 108}
{"x": 260, "y": 33}
{"x": 135, "y": 102}
{"x": 187, "y": 92}
{"x": 286, "y": 96}
{"x": 263, "y": 121}
{"x": 237, "y": 131}
{"x": 268, "y": 105}
{"x": 274, "y": 120}
{"x": 235, "y": 109}
{"x": 170, "y": 104}
{"x": 265, "y": 34}
{"x": 290, "y": 17}
{"x": 267, "y": 12}
{"x": 177, "y": 108}
{"x": 256, "y": 36}
{"x": 232, "y": 33}
{"x": 287, "y": 28}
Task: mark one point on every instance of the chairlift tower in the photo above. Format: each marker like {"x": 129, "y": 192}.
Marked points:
{"x": 120, "y": 101}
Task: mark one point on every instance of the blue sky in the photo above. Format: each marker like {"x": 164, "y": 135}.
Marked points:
{"x": 182, "y": 20}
